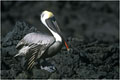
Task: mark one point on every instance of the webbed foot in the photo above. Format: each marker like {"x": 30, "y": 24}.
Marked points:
{"x": 48, "y": 68}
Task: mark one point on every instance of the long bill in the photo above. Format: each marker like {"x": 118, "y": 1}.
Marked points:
{"x": 66, "y": 46}
{"x": 51, "y": 22}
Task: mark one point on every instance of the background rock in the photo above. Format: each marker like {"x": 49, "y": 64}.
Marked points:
{"x": 91, "y": 29}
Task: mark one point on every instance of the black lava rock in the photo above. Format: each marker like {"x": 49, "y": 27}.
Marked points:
{"x": 92, "y": 31}
{"x": 90, "y": 60}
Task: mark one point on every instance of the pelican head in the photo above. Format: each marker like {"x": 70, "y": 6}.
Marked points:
{"x": 46, "y": 15}
{"x": 49, "y": 21}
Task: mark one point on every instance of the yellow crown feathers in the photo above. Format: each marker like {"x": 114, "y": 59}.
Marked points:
{"x": 48, "y": 13}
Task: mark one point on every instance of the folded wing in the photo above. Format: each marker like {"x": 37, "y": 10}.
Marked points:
{"x": 33, "y": 46}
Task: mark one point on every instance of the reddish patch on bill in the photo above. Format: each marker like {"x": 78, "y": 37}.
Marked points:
{"x": 66, "y": 46}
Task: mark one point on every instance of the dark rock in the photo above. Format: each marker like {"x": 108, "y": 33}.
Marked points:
{"x": 22, "y": 75}
{"x": 92, "y": 29}
{"x": 40, "y": 74}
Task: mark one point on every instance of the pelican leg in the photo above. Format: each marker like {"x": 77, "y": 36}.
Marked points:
{"x": 47, "y": 66}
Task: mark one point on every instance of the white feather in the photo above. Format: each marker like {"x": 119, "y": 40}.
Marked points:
{"x": 23, "y": 51}
{"x": 57, "y": 36}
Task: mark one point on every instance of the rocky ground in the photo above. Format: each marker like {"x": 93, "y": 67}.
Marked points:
{"x": 91, "y": 29}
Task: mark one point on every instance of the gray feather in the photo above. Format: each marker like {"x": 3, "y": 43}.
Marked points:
{"x": 33, "y": 46}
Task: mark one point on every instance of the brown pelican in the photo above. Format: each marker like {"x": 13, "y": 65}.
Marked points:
{"x": 36, "y": 45}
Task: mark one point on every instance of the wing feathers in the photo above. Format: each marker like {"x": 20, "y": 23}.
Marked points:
{"x": 31, "y": 58}
{"x": 37, "y": 44}
{"x": 20, "y": 44}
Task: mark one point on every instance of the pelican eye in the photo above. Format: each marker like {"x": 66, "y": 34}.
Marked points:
{"x": 52, "y": 18}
